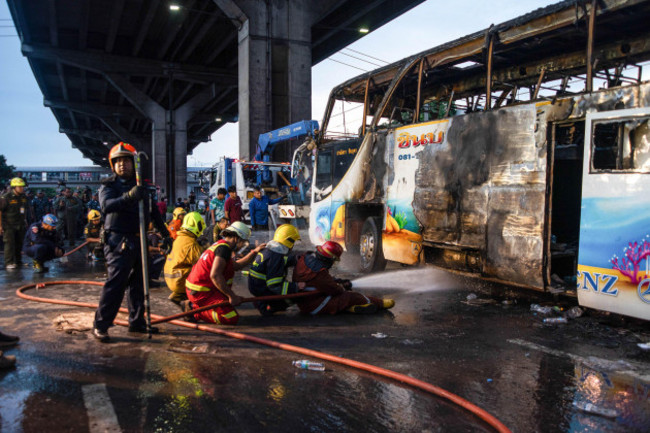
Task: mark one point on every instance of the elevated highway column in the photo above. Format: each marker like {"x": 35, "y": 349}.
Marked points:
{"x": 274, "y": 39}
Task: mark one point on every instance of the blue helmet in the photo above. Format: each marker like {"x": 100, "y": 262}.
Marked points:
{"x": 50, "y": 220}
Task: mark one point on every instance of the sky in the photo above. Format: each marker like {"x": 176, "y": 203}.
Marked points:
{"x": 30, "y": 131}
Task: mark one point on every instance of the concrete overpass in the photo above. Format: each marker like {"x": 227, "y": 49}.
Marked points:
{"x": 165, "y": 80}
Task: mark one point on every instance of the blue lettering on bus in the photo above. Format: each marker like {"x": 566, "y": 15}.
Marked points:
{"x": 599, "y": 283}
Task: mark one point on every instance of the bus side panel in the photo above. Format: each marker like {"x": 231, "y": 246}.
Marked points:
{"x": 483, "y": 189}
{"x": 614, "y": 253}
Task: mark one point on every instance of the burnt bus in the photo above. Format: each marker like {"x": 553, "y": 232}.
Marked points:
{"x": 519, "y": 154}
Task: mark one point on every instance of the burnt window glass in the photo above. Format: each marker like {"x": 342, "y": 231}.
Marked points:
{"x": 324, "y": 170}
{"x": 622, "y": 145}
{"x": 343, "y": 157}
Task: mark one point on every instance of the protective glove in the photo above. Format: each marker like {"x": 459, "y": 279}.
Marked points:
{"x": 166, "y": 245}
{"x": 347, "y": 284}
{"x": 136, "y": 193}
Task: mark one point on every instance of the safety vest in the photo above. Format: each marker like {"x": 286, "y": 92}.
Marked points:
{"x": 199, "y": 278}
{"x": 14, "y": 209}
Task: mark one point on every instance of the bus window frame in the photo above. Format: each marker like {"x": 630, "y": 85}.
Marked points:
{"x": 592, "y": 147}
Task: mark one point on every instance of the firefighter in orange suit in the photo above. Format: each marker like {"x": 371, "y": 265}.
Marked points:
{"x": 313, "y": 269}
{"x": 210, "y": 280}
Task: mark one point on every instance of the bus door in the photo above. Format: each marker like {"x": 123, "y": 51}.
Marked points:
{"x": 320, "y": 218}
{"x": 614, "y": 247}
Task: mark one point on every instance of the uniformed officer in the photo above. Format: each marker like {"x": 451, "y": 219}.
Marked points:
{"x": 118, "y": 197}
{"x": 13, "y": 223}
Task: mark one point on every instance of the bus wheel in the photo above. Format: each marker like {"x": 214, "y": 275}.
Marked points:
{"x": 370, "y": 250}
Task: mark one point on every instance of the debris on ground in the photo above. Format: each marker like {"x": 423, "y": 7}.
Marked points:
{"x": 574, "y": 312}
{"x": 478, "y": 301}
{"x": 185, "y": 347}
{"x": 555, "y": 320}
{"x": 544, "y": 311}
{"x": 74, "y": 322}
{"x": 596, "y": 410}
{"x": 379, "y": 335}
{"x": 644, "y": 346}
{"x": 306, "y": 364}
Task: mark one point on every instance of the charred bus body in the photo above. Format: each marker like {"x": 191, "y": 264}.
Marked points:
{"x": 514, "y": 154}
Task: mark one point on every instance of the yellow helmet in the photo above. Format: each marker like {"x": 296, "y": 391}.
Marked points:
{"x": 178, "y": 212}
{"x": 287, "y": 235}
{"x": 94, "y": 215}
{"x": 16, "y": 181}
{"x": 194, "y": 223}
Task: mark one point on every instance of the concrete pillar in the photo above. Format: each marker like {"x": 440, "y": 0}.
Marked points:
{"x": 274, "y": 70}
{"x": 179, "y": 158}
{"x": 158, "y": 155}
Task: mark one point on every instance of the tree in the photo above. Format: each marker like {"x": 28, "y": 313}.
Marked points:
{"x": 6, "y": 171}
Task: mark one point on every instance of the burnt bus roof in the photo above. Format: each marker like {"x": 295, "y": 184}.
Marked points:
{"x": 550, "y": 37}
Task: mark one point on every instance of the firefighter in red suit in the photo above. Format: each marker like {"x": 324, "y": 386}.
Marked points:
{"x": 210, "y": 280}
{"x": 313, "y": 269}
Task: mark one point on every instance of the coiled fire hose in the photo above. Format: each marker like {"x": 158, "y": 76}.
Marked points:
{"x": 416, "y": 383}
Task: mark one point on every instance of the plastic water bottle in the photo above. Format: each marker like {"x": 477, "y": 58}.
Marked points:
{"x": 555, "y": 320}
{"x": 545, "y": 311}
{"x": 596, "y": 410}
{"x": 309, "y": 365}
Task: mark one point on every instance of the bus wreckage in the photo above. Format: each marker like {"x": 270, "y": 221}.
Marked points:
{"x": 519, "y": 154}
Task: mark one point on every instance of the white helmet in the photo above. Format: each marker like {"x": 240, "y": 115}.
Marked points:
{"x": 240, "y": 229}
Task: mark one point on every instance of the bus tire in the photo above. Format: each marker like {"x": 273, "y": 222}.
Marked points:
{"x": 370, "y": 249}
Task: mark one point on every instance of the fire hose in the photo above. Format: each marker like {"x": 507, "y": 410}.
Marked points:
{"x": 416, "y": 383}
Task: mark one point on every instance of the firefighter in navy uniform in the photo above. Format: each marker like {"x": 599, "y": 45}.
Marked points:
{"x": 267, "y": 275}
{"x": 13, "y": 222}
{"x": 118, "y": 197}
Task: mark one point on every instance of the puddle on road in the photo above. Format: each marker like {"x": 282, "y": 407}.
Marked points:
{"x": 12, "y": 406}
{"x": 622, "y": 401}
{"x": 412, "y": 280}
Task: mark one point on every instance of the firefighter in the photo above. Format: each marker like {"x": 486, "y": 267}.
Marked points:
{"x": 92, "y": 233}
{"x": 210, "y": 280}
{"x": 13, "y": 212}
{"x": 119, "y": 197}
{"x": 313, "y": 269}
{"x": 42, "y": 243}
{"x": 177, "y": 221}
{"x": 268, "y": 272}
{"x": 185, "y": 253}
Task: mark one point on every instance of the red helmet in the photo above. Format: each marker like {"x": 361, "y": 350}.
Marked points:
{"x": 330, "y": 250}
{"x": 121, "y": 149}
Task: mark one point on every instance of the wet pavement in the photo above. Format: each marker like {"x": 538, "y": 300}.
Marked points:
{"x": 498, "y": 355}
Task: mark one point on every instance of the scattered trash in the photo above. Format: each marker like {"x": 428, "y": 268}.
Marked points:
{"x": 596, "y": 410}
{"x": 64, "y": 259}
{"x": 558, "y": 309}
{"x": 412, "y": 342}
{"x": 544, "y": 311}
{"x": 306, "y": 364}
{"x": 489, "y": 380}
{"x": 507, "y": 302}
{"x": 644, "y": 346}
{"x": 471, "y": 296}
{"x": 556, "y": 280}
{"x": 478, "y": 301}
{"x": 556, "y": 289}
{"x": 185, "y": 347}
{"x": 379, "y": 335}
{"x": 74, "y": 322}
{"x": 574, "y": 312}
{"x": 555, "y": 320}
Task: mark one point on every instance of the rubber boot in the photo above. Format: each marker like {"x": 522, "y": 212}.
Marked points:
{"x": 363, "y": 309}
{"x": 39, "y": 268}
{"x": 8, "y": 340}
{"x": 7, "y": 361}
